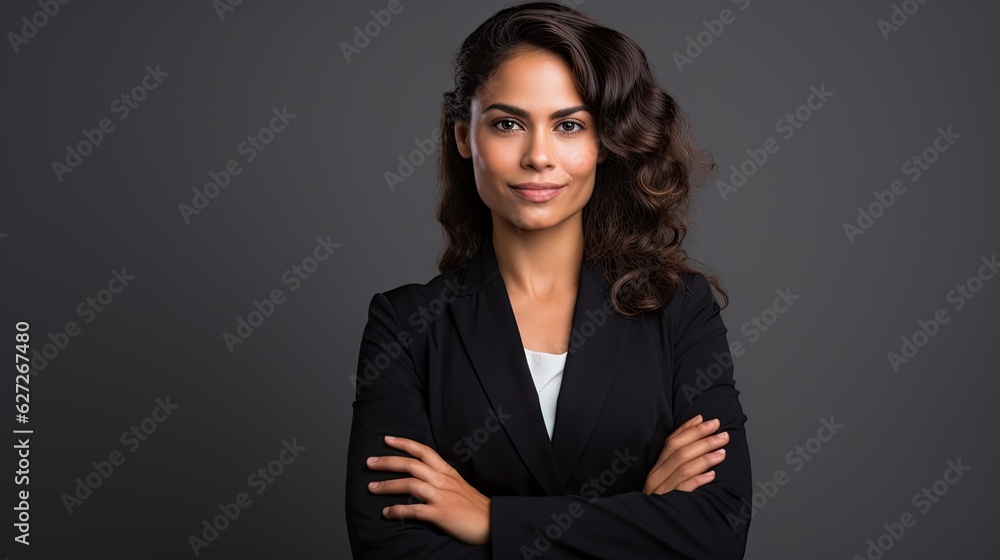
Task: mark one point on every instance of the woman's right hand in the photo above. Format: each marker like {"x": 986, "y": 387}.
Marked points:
{"x": 688, "y": 452}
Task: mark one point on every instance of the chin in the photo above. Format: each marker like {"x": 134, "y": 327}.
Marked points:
{"x": 534, "y": 223}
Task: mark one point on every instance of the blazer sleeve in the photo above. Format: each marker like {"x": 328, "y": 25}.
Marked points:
{"x": 704, "y": 523}
{"x": 389, "y": 399}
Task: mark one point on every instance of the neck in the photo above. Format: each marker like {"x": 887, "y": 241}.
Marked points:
{"x": 539, "y": 263}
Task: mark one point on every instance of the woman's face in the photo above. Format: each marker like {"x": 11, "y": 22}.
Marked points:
{"x": 534, "y": 148}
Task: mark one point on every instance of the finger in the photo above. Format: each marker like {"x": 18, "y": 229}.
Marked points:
{"x": 663, "y": 479}
{"x": 687, "y": 485}
{"x": 685, "y": 435}
{"x": 694, "y": 450}
{"x": 423, "y": 452}
{"x": 696, "y": 482}
{"x": 412, "y": 486}
{"x": 695, "y": 467}
{"x": 415, "y": 467}
{"x": 423, "y": 512}
{"x": 691, "y": 422}
{"x": 673, "y": 458}
{"x": 700, "y": 447}
{"x": 681, "y": 438}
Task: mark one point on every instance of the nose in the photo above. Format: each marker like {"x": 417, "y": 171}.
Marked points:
{"x": 538, "y": 151}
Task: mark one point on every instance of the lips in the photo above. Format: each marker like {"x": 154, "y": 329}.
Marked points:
{"x": 538, "y": 192}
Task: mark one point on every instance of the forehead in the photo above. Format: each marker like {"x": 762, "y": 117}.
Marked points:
{"x": 530, "y": 79}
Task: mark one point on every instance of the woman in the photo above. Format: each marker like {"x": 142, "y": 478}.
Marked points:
{"x": 519, "y": 404}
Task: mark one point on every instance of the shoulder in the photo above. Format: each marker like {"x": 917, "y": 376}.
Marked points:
{"x": 695, "y": 291}
{"x": 692, "y": 309}
{"x": 432, "y": 296}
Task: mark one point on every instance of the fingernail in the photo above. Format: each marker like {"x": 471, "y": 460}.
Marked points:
{"x": 385, "y": 511}
{"x": 372, "y": 460}
{"x": 710, "y": 474}
{"x": 390, "y": 438}
{"x": 373, "y": 485}
{"x": 718, "y": 453}
{"x": 698, "y": 418}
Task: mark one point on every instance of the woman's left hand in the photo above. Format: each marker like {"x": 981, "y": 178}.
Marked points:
{"x": 451, "y": 503}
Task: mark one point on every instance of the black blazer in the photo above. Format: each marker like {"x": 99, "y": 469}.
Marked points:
{"x": 443, "y": 364}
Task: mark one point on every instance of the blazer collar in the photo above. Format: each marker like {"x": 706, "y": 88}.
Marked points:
{"x": 488, "y": 331}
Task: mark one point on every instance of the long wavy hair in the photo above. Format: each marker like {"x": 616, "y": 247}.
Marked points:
{"x": 637, "y": 216}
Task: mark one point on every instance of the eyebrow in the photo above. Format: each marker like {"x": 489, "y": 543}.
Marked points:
{"x": 526, "y": 115}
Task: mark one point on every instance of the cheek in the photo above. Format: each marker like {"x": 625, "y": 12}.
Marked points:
{"x": 492, "y": 157}
{"x": 580, "y": 161}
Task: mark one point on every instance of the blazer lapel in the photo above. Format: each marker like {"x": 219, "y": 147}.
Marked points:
{"x": 597, "y": 340}
{"x": 488, "y": 331}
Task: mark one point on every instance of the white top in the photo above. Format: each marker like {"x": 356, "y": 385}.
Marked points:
{"x": 547, "y": 372}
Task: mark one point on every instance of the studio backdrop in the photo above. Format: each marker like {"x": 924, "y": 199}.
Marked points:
{"x": 199, "y": 200}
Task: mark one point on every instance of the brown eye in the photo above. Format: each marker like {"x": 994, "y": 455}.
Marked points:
{"x": 504, "y": 129}
{"x": 571, "y": 123}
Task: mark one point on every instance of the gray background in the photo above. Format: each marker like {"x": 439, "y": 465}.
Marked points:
{"x": 323, "y": 176}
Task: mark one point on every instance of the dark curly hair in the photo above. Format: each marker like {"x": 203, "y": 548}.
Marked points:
{"x": 637, "y": 216}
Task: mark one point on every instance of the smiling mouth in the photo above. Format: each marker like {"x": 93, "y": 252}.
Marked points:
{"x": 536, "y": 194}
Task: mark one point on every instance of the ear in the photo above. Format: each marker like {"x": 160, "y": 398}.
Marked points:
{"x": 462, "y": 139}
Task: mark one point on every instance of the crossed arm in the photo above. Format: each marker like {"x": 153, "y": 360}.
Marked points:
{"x": 456, "y": 521}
